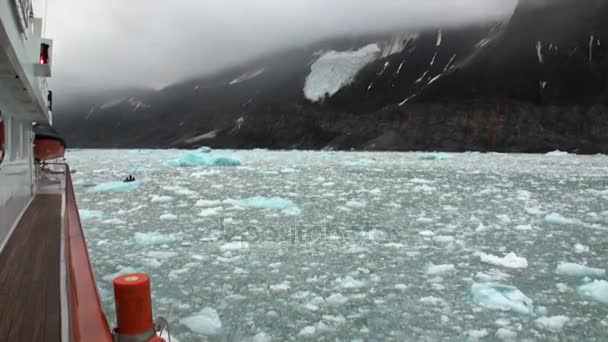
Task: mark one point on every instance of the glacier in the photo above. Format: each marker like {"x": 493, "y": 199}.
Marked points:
{"x": 334, "y": 70}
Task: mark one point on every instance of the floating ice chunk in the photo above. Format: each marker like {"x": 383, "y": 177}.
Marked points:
{"x": 510, "y": 260}
{"x": 168, "y": 217}
{"x": 426, "y": 233}
{"x": 116, "y": 187}
{"x": 443, "y": 239}
{"x": 191, "y": 159}
{"x": 234, "y": 246}
{"x": 439, "y": 269}
{"x": 401, "y": 287}
{"x": 554, "y": 323}
{"x": 204, "y": 149}
{"x": 151, "y": 262}
{"x": 576, "y": 270}
{"x": 435, "y": 156}
{"x": 207, "y": 203}
{"x": 555, "y": 218}
{"x": 151, "y": 239}
{"x": 205, "y": 173}
{"x": 497, "y": 296}
{"x": 358, "y": 163}
{"x": 424, "y": 188}
{"x": 356, "y": 204}
{"x": 476, "y": 335}
{"x": 259, "y": 202}
{"x": 261, "y": 337}
{"x": 349, "y": 283}
{"x": 175, "y": 274}
{"x": 579, "y": 248}
{"x": 211, "y": 212}
{"x": 308, "y": 331}
{"x": 161, "y": 254}
{"x": 139, "y": 169}
{"x": 557, "y": 153}
{"x": 336, "y": 299}
{"x": 86, "y": 214}
{"x": 431, "y": 300}
{"x": 280, "y": 288}
{"x": 506, "y": 334}
{"x": 596, "y": 290}
{"x": 161, "y": 199}
{"x": 114, "y": 221}
{"x": 205, "y": 322}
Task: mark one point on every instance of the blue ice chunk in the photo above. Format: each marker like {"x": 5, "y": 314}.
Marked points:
{"x": 259, "y": 202}
{"x": 577, "y": 270}
{"x": 116, "y": 186}
{"x": 596, "y": 290}
{"x": 204, "y": 149}
{"x": 497, "y": 296}
{"x": 435, "y": 156}
{"x": 192, "y": 159}
{"x": 86, "y": 214}
{"x": 151, "y": 239}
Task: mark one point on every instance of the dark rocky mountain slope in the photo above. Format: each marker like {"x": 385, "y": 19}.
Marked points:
{"x": 537, "y": 81}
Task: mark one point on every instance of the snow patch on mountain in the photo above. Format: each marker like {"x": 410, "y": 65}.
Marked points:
{"x": 334, "y": 70}
{"x": 247, "y": 76}
{"x": 397, "y": 44}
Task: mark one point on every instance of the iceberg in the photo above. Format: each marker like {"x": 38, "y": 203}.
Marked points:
{"x": 495, "y": 296}
{"x": 151, "y": 239}
{"x": 576, "y": 270}
{"x": 116, "y": 187}
{"x": 596, "y": 290}
{"x": 192, "y": 159}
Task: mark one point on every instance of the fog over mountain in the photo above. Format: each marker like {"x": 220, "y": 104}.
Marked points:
{"x": 104, "y": 44}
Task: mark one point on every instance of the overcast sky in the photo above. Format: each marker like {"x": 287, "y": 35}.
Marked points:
{"x": 119, "y": 43}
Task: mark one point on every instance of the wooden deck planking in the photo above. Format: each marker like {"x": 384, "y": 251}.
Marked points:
{"x": 30, "y": 308}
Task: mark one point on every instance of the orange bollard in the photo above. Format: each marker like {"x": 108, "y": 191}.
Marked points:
{"x": 133, "y": 302}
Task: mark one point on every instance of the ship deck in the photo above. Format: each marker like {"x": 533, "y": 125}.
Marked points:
{"x": 30, "y": 274}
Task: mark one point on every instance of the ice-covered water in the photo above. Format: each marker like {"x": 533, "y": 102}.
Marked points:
{"x": 369, "y": 246}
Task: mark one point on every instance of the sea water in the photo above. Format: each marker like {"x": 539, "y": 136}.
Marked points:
{"x": 354, "y": 246}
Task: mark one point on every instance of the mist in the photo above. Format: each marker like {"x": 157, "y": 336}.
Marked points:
{"x": 108, "y": 44}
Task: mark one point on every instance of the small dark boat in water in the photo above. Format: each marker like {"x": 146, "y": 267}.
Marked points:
{"x": 48, "y": 144}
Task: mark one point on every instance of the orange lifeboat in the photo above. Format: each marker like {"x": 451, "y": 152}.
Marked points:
{"x": 48, "y": 144}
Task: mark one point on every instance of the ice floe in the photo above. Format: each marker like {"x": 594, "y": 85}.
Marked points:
{"x": 577, "y": 270}
{"x": 596, "y": 290}
{"x": 440, "y": 269}
{"x": 151, "y": 239}
{"x": 206, "y": 322}
{"x": 86, "y": 214}
{"x": 555, "y": 218}
{"x": 510, "y": 260}
{"x": 552, "y": 323}
{"x": 496, "y": 296}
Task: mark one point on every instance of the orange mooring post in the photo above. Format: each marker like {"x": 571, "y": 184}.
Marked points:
{"x": 134, "y": 308}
